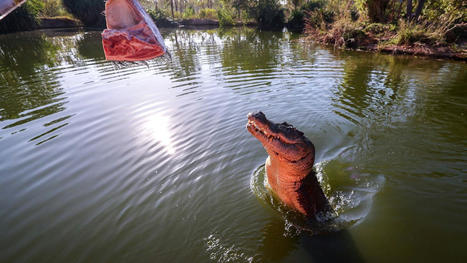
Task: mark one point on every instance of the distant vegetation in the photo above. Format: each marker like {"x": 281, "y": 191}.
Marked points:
{"x": 88, "y": 11}
{"x": 53, "y": 8}
{"x": 387, "y": 22}
{"x": 346, "y": 23}
{"x": 23, "y": 18}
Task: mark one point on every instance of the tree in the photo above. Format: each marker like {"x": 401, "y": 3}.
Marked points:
{"x": 409, "y": 10}
{"x": 418, "y": 11}
{"x": 377, "y": 10}
{"x": 172, "y": 8}
{"x": 90, "y": 12}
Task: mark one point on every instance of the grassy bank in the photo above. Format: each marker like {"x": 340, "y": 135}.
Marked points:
{"x": 418, "y": 27}
{"x": 438, "y": 33}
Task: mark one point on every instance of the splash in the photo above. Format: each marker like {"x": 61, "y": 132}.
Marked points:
{"x": 349, "y": 191}
{"x": 220, "y": 252}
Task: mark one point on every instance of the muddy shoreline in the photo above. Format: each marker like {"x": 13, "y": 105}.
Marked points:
{"x": 418, "y": 49}
{"x": 412, "y": 50}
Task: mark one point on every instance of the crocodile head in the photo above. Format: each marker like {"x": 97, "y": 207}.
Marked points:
{"x": 284, "y": 143}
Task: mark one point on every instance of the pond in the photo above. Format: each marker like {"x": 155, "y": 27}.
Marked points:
{"x": 151, "y": 162}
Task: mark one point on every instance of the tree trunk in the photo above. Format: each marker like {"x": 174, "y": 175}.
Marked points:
{"x": 155, "y": 4}
{"x": 377, "y": 10}
{"x": 418, "y": 11}
{"x": 172, "y": 8}
{"x": 409, "y": 10}
{"x": 399, "y": 10}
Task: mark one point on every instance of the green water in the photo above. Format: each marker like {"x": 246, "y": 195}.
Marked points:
{"x": 101, "y": 162}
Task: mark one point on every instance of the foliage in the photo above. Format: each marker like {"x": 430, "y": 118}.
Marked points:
{"x": 157, "y": 15}
{"x": 409, "y": 33}
{"x": 22, "y": 18}
{"x": 225, "y": 17}
{"x": 90, "y": 12}
{"x": 346, "y": 33}
{"x": 208, "y": 13}
{"x": 296, "y": 21}
{"x": 313, "y": 5}
{"x": 239, "y": 5}
{"x": 379, "y": 28}
{"x": 161, "y": 18}
{"x": 189, "y": 12}
{"x": 53, "y": 8}
{"x": 268, "y": 14}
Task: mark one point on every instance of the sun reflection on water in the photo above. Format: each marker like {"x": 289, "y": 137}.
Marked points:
{"x": 157, "y": 127}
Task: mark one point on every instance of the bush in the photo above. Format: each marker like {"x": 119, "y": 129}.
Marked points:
{"x": 90, "y": 12}
{"x": 208, "y": 13}
{"x": 410, "y": 33}
{"x": 53, "y": 8}
{"x": 189, "y": 12}
{"x": 319, "y": 19}
{"x": 157, "y": 15}
{"x": 345, "y": 33}
{"x": 22, "y": 18}
{"x": 161, "y": 18}
{"x": 313, "y": 5}
{"x": 296, "y": 21}
{"x": 269, "y": 14}
{"x": 378, "y": 28}
{"x": 225, "y": 17}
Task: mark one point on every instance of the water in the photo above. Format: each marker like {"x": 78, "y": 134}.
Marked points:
{"x": 102, "y": 162}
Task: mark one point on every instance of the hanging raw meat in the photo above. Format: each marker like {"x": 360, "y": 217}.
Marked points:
{"x": 131, "y": 35}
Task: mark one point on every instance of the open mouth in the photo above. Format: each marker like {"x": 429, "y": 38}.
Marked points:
{"x": 274, "y": 142}
{"x": 267, "y": 136}
{"x": 131, "y": 35}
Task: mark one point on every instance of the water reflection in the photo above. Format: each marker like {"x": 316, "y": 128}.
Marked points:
{"x": 90, "y": 46}
{"x": 244, "y": 48}
{"x": 270, "y": 249}
{"x": 277, "y": 245}
{"x": 26, "y": 80}
{"x": 152, "y": 159}
{"x": 157, "y": 127}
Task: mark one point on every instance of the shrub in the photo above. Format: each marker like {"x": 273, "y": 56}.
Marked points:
{"x": 319, "y": 19}
{"x": 296, "y": 21}
{"x": 161, "y": 18}
{"x": 90, "y": 12}
{"x": 189, "y": 12}
{"x": 378, "y": 28}
{"x": 53, "y": 8}
{"x": 22, "y": 18}
{"x": 268, "y": 14}
{"x": 313, "y": 5}
{"x": 409, "y": 33}
{"x": 208, "y": 13}
{"x": 225, "y": 18}
{"x": 157, "y": 14}
{"x": 345, "y": 33}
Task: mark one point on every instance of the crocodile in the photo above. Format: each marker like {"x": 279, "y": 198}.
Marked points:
{"x": 289, "y": 166}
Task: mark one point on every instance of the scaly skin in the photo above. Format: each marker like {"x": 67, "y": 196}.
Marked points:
{"x": 289, "y": 167}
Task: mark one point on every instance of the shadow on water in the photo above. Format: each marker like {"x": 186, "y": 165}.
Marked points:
{"x": 327, "y": 247}
{"x": 332, "y": 247}
{"x": 323, "y": 241}
{"x": 28, "y": 82}
{"x": 90, "y": 46}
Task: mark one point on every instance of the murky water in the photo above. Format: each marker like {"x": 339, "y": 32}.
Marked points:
{"x": 152, "y": 163}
